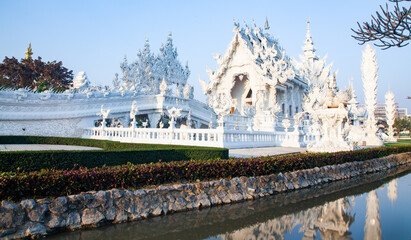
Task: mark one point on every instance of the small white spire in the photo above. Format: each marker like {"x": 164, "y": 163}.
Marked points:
{"x": 308, "y": 48}
{"x": 308, "y": 35}
{"x": 266, "y": 25}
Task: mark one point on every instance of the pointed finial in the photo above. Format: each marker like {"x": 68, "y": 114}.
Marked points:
{"x": 236, "y": 25}
{"x": 266, "y": 25}
{"x": 308, "y": 28}
{"x": 29, "y": 52}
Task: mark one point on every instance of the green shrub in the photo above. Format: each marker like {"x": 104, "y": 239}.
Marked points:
{"x": 114, "y": 153}
{"x": 19, "y": 184}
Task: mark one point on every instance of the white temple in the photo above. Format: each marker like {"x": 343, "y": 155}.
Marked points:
{"x": 257, "y": 97}
{"x": 255, "y": 81}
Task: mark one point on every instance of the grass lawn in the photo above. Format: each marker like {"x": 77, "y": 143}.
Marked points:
{"x": 104, "y": 144}
{"x": 112, "y": 154}
{"x": 400, "y": 143}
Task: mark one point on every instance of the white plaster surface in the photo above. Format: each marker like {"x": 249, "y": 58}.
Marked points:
{"x": 42, "y": 147}
{"x": 266, "y": 151}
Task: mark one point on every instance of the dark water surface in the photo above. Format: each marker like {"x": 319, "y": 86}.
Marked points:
{"x": 376, "y": 206}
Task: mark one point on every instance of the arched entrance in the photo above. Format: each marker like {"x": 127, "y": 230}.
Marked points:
{"x": 241, "y": 92}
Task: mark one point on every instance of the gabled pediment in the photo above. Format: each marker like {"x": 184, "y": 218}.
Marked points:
{"x": 255, "y": 49}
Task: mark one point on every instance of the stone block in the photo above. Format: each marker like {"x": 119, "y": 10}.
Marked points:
{"x": 56, "y": 221}
{"x": 59, "y": 205}
{"x": 38, "y": 214}
{"x": 34, "y": 229}
{"x": 73, "y": 220}
{"x": 28, "y": 204}
{"x": 91, "y": 216}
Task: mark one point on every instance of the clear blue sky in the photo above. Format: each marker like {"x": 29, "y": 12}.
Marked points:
{"x": 94, "y": 36}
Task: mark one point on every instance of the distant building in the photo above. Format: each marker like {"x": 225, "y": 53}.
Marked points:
{"x": 402, "y": 112}
{"x": 380, "y": 112}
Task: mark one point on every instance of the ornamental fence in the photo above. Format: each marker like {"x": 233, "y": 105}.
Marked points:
{"x": 221, "y": 138}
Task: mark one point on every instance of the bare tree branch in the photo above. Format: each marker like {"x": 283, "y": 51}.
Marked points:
{"x": 387, "y": 28}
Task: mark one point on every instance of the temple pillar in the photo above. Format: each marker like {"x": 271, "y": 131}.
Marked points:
{"x": 154, "y": 118}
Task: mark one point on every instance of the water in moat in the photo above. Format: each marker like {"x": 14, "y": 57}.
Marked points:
{"x": 375, "y": 206}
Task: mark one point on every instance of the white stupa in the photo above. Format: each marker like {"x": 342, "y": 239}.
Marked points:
{"x": 80, "y": 81}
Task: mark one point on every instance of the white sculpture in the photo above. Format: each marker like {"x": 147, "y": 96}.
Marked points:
{"x": 222, "y": 107}
{"x": 210, "y": 124}
{"x": 188, "y": 122}
{"x": 163, "y": 87}
{"x": 21, "y": 93}
{"x": 188, "y": 91}
{"x": 286, "y": 123}
{"x": 116, "y": 83}
{"x": 45, "y": 95}
{"x": 324, "y": 103}
{"x": 332, "y": 130}
{"x": 369, "y": 69}
{"x": 104, "y": 114}
{"x": 69, "y": 93}
{"x": 173, "y": 113}
{"x": 390, "y": 114}
{"x": 133, "y": 113}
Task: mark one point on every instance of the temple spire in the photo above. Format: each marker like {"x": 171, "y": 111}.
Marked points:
{"x": 266, "y": 26}
{"x": 308, "y": 48}
{"x": 29, "y": 52}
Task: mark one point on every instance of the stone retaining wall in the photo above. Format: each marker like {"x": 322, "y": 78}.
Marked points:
{"x": 92, "y": 209}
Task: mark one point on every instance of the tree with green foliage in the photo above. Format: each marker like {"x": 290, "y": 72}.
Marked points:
{"x": 34, "y": 74}
{"x": 402, "y": 124}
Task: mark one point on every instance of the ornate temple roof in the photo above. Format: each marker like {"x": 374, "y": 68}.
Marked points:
{"x": 268, "y": 56}
{"x": 144, "y": 74}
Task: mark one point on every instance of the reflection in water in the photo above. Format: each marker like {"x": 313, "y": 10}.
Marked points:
{"x": 323, "y": 212}
{"x": 332, "y": 220}
{"x": 392, "y": 190}
{"x": 372, "y": 227}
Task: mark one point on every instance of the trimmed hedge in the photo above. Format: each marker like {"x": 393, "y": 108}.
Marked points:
{"x": 114, "y": 153}
{"x": 104, "y": 144}
{"x": 18, "y": 185}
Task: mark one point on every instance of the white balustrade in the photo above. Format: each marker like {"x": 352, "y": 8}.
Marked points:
{"x": 195, "y": 137}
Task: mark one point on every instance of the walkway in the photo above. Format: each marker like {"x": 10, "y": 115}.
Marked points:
{"x": 270, "y": 151}
{"x": 41, "y": 147}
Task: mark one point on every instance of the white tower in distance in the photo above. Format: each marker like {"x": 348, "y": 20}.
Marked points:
{"x": 390, "y": 114}
{"x": 369, "y": 69}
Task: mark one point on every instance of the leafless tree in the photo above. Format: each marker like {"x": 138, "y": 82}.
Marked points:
{"x": 388, "y": 28}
